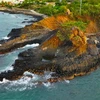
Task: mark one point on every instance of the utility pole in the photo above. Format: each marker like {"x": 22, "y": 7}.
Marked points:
{"x": 80, "y": 7}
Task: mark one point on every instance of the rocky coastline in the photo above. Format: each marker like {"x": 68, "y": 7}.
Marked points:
{"x": 67, "y": 59}
{"x": 22, "y": 11}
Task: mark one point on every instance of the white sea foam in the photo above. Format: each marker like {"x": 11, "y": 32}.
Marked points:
{"x": 67, "y": 81}
{"x": 28, "y": 81}
{"x": 47, "y": 84}
{"x": 33, "y": 77}
{"x": 31, "y": 45}
{"x": 21, "y": 25}
{"x": 13, "y": 16}
{"x": 4, "y": 81}
{"x": 47, "y": 74}
{"x": 22, "y": 81}
{"x": 25, "y": 80}
{"x": 18, "y": 85}
{"x": 9, "y": 68}
{"x": 5, "y": 37}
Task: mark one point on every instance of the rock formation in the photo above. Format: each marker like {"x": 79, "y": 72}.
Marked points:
{"x": 75, "y": 55}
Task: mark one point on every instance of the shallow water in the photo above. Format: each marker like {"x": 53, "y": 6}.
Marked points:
{"x": 10, "y": 21}
{"x": 80, "y": 88}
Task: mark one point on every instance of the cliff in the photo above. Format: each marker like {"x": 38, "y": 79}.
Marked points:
{"x": 68, "y": 52}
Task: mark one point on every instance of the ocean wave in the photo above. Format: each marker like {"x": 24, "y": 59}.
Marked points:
{"x": 47, "y": 84}
{"x": 27, "y": 81}
{"x": 67, "y": 81}
{"x": 31, "y": 45}
{"x": 21, "y": 25}
{"x": 13, "y": 16}
{"x": 4, "y": 81}
{"x": 5, "y": 38}
{"x": 9, "y": 68}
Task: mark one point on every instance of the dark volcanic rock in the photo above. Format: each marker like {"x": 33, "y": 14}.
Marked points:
{"x": 31, "y": 21}
{"x": 14, "y": 33}
{"x": 3, "y": 41}
{"x": 66, "y": 65}
{"x": 19, "y": 31}
{"x": 29, "y": 38}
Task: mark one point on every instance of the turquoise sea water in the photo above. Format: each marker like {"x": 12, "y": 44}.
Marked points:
{"x": 81, "y": 88}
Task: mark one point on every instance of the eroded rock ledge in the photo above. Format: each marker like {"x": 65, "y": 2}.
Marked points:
{"x": 76, "y": 56}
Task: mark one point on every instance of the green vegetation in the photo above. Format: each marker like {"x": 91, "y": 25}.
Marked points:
{"x": 63, "y": 34}
{"x": 65, "y": 29}
{"x": 48, "y": 7}
{"x": 89, "y": 7}
{"x": 53, "y": 10}
{"x": 52, "y": 7}
{"x": 80, "y": 24}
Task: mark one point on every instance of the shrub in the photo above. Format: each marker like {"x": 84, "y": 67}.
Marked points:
{"x": 47, "y": 9}
{"x": 53, "y": 10}
{"x": 65, "y": 29}
{"x": 80, "y": 24}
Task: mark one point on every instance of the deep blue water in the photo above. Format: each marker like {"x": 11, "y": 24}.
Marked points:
{"x": 81, "y": 88}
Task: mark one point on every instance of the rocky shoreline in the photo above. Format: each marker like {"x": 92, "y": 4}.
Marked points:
{"x": 67, "y": 59}
{"x": 22, "y": 11}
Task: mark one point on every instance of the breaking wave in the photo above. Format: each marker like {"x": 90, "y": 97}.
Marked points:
{"x": 31, "y": 45}
{"x": 5, "y": 38}
{"x": 27, "y": 81}
{"x": 9, "y": 68}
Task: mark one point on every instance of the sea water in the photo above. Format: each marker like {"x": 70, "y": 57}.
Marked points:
{"x": 81, "y": 88}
